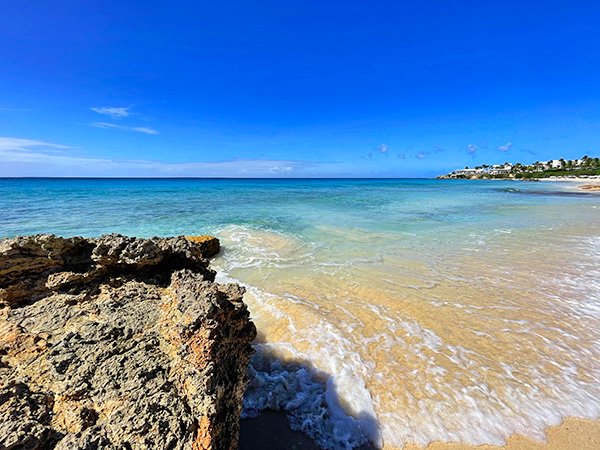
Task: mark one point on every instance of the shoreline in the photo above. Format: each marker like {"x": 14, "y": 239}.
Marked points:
{"x": 588, "y": 184}
{"x": 572, "y": 434}
{"x": 585, "y": 179}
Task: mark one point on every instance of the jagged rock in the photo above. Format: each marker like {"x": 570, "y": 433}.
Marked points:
{"x": 120, "y": 343}
{"x": 210, "y": 245}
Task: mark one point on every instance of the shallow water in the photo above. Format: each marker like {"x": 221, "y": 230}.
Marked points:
{"x": 459, "y": 311}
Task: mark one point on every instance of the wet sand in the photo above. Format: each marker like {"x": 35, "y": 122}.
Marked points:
{"x": 518, "y": 320}
{"x": 572, "y": 434}
{"x": 271, "y": 431}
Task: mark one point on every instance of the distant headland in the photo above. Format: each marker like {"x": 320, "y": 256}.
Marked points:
{"x": 584, "y": 167}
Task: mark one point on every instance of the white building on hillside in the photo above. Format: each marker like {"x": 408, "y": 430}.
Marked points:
{"x": 467, "y": 172}
{"x": 500, "y": 169}
{"x": 552, "y": 164}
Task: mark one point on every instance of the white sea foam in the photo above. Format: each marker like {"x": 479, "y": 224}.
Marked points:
{"x": 310, "y": 404}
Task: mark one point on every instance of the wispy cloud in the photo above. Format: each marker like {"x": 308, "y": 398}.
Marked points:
{"x": 105, "y": 125}
{"x": 383, "y": 148}
{"x": 29, "y": 157}
{"x": 280, "y": 169}
{"x": 421, "y": 155}
{"x": 506, "y": 147}
{"x": 472, "y": 149}
{"x": 12, "y": 144}
{"x": 119, "y": 113}
{"x": 145, "y": 130}
{"x": 116, "y": 112}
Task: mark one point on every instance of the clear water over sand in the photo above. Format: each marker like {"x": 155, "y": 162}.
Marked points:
{"x": 431, "y": 310}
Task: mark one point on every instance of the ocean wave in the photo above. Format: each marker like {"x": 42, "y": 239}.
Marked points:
{"x": 311, "y": 404}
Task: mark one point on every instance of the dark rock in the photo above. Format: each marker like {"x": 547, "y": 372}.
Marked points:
{"x": 210, "y": 245}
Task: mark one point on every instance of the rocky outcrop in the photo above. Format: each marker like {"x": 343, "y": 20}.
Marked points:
{"x": 209, "y": 245}
{"x": 591, "y": 187}
{"x": 118, "y": 343}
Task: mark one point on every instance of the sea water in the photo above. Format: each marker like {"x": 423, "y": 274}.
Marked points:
{"x": 389, "y": 311}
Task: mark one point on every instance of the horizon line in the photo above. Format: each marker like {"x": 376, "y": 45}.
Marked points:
{"x": 210, "y": 178}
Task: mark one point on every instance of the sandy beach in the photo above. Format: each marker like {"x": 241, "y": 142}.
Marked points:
{"x": 271, "y": 426}
{"x": 590, "y": 184}
{"x": 572, "y": 434}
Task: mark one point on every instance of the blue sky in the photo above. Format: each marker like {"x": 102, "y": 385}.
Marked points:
{"x": 294, "y": 88}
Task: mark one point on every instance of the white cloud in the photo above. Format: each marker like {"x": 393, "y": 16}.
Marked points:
{"x": 145, "y": 130}
{"x": 113, "y": 111}
{"x": 506, "y": 147}
{"x": 472, "y": 149}
{"x": 383, "y": 148}
{"x": 105, "y": 125}
{"x": 29, "y": 157}
{"x": 421, "y": 155}
{"x": 280, "y": 169}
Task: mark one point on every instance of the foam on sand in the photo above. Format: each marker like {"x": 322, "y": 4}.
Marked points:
{"x": 369, "y": 344}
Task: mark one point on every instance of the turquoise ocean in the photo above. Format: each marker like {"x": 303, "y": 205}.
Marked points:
{"x": 389, "y": 311}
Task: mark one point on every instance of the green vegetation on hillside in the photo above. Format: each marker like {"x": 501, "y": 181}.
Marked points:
{"x": 585, "y": 166}
{"x": 559, "y": 173}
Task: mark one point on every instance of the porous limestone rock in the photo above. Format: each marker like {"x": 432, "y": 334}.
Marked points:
{"x": 118, "y": 343}
{"x": 210, "y": 245}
